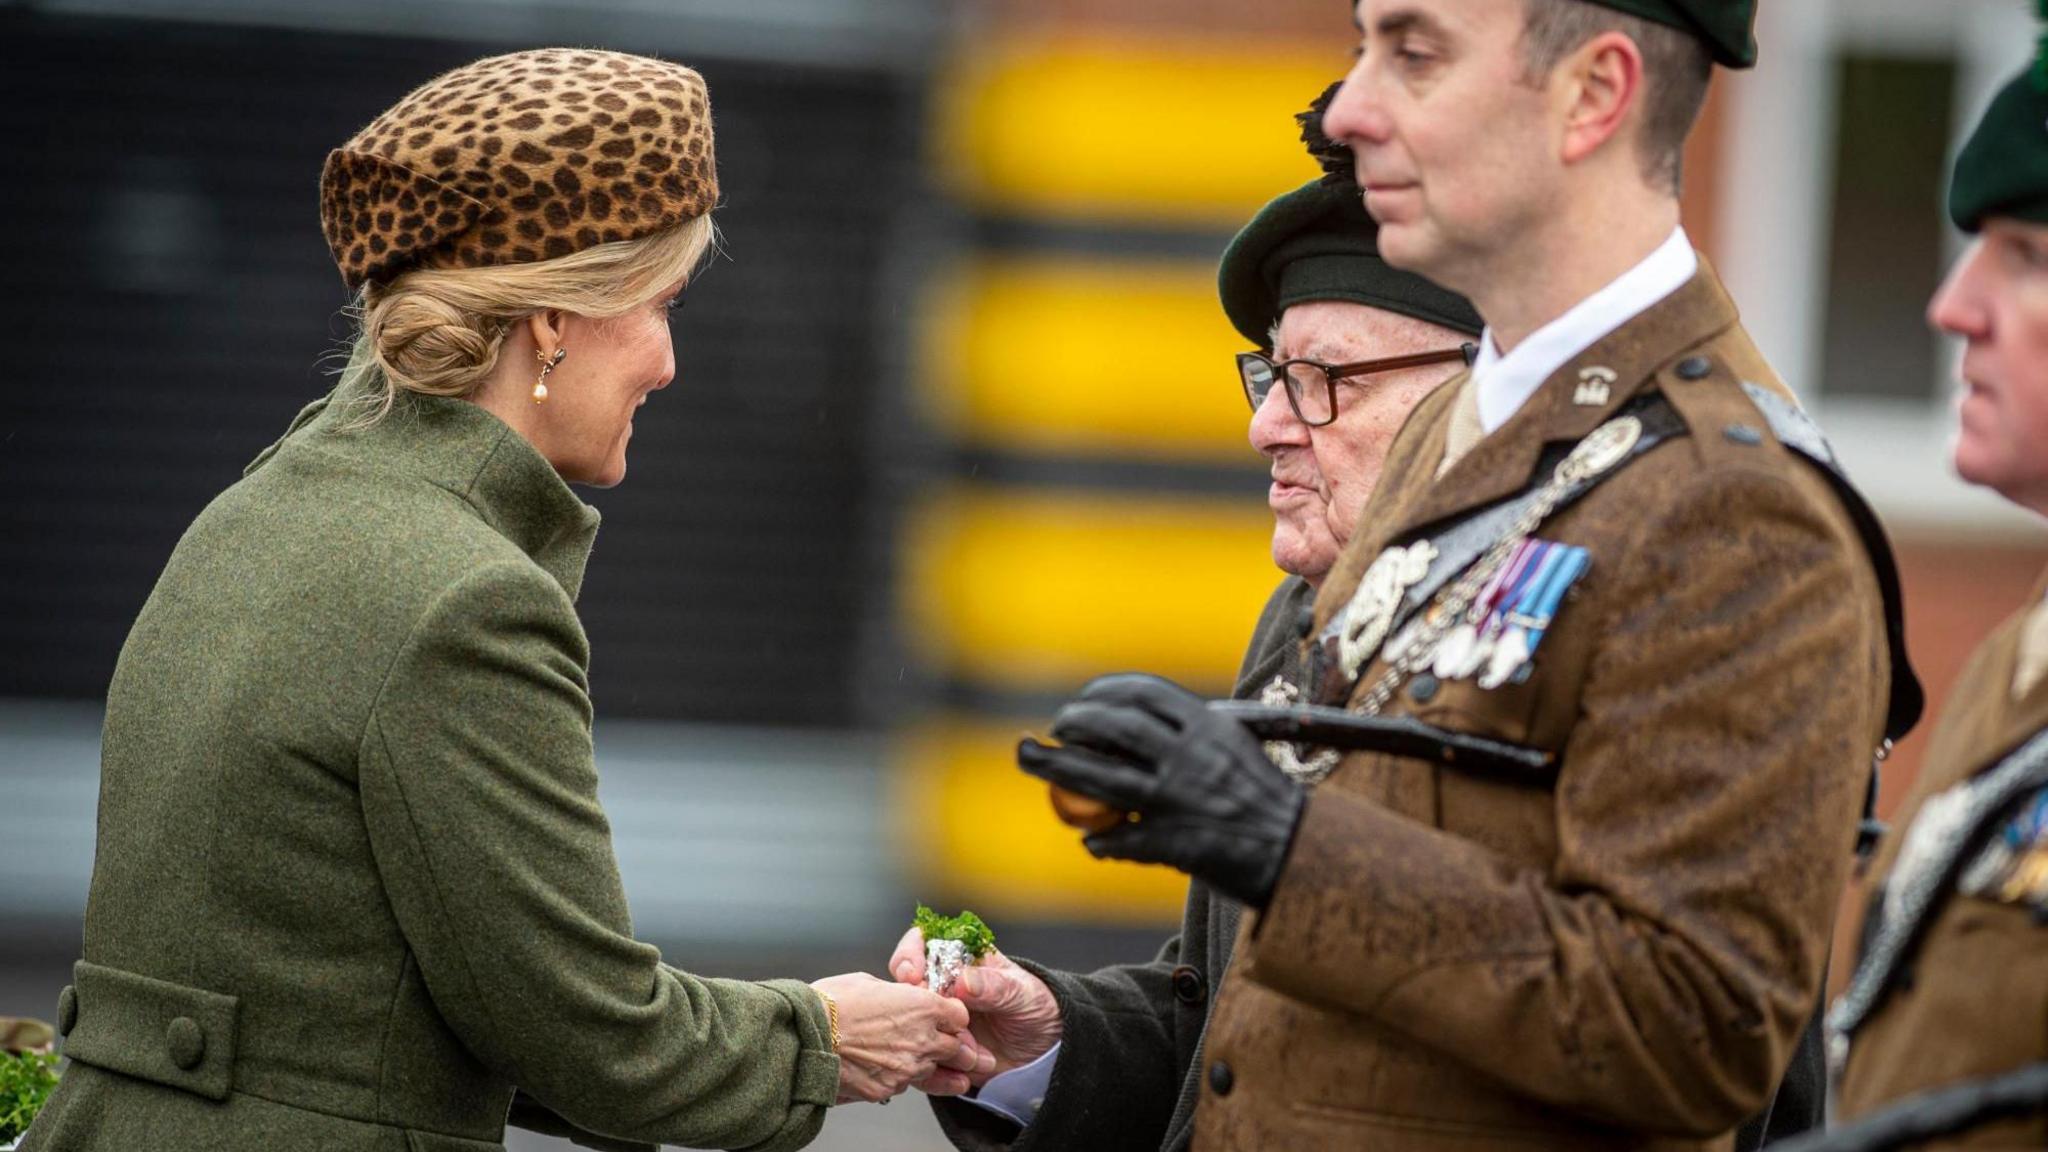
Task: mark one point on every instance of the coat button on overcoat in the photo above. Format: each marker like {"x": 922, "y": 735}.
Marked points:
{"x": 1188, "y": 985}
{"x": 1694, "y": 368}
{"x": 186, "y": 1042}
{"x": 67, "y": 1010}
{"x": 1220, "y": 1078}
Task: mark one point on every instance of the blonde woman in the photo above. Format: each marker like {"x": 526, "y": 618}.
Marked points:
{"x": 354, "y": 889}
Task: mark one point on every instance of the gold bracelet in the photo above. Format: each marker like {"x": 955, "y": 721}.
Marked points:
{"x": 831, "y": 1016}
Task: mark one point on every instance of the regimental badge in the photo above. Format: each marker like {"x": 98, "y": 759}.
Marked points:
{"x": 1370, "y": 611}
{"x": 2013, "y": 867}
{"x": 1595, "y": 386}
{"x": 1279, "y": 693}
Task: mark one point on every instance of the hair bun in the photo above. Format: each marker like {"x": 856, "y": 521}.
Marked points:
{"x": 426, "y": 344}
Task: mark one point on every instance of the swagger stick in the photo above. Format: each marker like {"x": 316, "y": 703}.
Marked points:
{"x": 1352, "y": 732}
{"x": 1395, "y": 735}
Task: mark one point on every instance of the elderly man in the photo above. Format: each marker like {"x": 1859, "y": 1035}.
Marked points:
{"x": 1952, "y": 987}
{"x": 1616, "y": 547}
{"x": 1107, "y": 1059}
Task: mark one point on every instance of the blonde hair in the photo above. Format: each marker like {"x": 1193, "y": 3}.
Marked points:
{"x": 438, "y": 331}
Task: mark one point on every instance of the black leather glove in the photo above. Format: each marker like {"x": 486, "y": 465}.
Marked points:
{"x": 1202, "y": 795}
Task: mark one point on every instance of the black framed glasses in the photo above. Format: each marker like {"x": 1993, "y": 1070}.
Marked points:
{"x": 1312, "y": 385}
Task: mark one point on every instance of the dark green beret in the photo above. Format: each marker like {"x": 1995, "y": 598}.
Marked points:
{"x": 1318, "y": 243}
{"x": 2003, "y": 169}
{"x": 1728, "y": 26}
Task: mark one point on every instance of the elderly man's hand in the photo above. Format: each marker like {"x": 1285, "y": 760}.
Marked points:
{"x": 1011, "y": 1013}
{"x": 1202, "y": 794}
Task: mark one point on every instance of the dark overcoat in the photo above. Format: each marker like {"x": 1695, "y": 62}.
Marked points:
{"x": 352, "y": 883}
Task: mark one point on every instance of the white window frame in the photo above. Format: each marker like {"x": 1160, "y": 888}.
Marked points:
{"x": 1774, "y": 179}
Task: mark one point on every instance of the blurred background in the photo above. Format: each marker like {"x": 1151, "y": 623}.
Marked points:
{"x": 955, "y": 427}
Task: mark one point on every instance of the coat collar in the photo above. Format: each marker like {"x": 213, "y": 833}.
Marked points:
{"x": 1277, "y": 642}
{"x": 461, "y": 448}
{"x": 1507, "y": 380}
{"x": 1504, "y": 462}
{"x": 1981, "y": 723}
{"x": 2019, "y": 718}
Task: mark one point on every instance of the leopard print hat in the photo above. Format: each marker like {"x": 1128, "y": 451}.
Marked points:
{"x": 517, "y": 158}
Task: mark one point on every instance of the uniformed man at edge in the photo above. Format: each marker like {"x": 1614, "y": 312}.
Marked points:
{"x": 1951, "y": 989}
{"x": 1106, "y": 1059}
{"x": 1616, "y": 542}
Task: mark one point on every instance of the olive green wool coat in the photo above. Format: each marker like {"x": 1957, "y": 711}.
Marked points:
{"x": 353, "y": 884}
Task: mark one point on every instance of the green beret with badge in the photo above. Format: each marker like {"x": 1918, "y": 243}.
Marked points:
{"x": 2003, "y": 168}
{"x": 1318, "y": 243}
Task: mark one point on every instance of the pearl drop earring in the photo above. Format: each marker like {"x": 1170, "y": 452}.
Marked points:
{"x": 547, "y": 365}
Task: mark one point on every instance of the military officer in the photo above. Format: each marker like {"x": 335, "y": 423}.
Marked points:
{"x": 1952, "y": 985}
{"x": 1111, "y": 1053}
{"x": 1616, "y": 545}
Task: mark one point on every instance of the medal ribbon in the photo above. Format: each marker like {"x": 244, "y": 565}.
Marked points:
{"x": 1505, "y": 585}
{"x": 1613, "y": 443}
{"x": 1542, "y": 554}
{"x": 1545, "y": 595}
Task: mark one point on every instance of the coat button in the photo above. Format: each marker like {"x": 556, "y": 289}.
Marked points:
{"x": 67, "y": 1010}
{"x": 1743, "y": 434}
{"x": 1694, "y": 368}
{"x": 186, "y": 1042}
{"x": 1220, "y": 1078}
{"x": 1188, "y": 985}
{"x": 1423, "y": 688}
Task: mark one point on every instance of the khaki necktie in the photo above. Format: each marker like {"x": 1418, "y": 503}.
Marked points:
{"x": 1465, "y": 429}
{"x": 2033, "y": 654}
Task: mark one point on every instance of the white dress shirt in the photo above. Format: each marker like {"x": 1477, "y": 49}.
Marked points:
{"x": 1018, "y": 1093}
{"x": 1505, "y": 382}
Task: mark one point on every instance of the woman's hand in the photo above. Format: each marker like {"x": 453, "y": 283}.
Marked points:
{"x": 892, "y": 1036}
{"x": 1015, "y": 1017}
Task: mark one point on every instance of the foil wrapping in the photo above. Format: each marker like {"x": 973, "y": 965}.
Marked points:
{"x": 943, "y": 960}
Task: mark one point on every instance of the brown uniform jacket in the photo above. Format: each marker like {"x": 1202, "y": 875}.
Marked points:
{"x": 1976, "y": 1001}
{"x": 1624, "y": 956}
